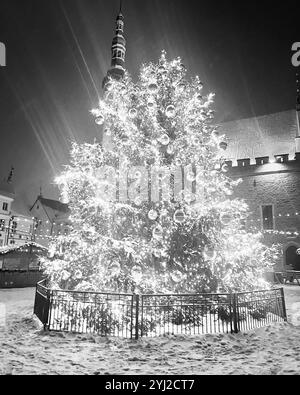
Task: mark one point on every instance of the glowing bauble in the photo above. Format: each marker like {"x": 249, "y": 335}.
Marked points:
{"x": 164, "y": 139}
{"x": 183, "y": 67}
{"x": 65, "y": 275}
{"x": 170, "y": 111}
{"x": 133, "y": 113}
{"x": 178, "y": 162}
{"x": 162, "y": 69}
{"x": 153, "y": 88}
{"x": 181, "y": 87}
{"x": 229, "y": 192}
{"x": 225, "y": 168}
{"x": 138, "y": 201}
{"x": 298, "y": 251}
{"x": 115, "y": 268}
{"x": 170, "y": 150}
{"x": 152, "y": 215}
{"x": 223, "y": 145}
{"x": 157, "y": 253}
{"x": 150, "y": 103}
{"x": 52, "y": 251}
{"x": 209, "y": 253}
{"x": 99, "y": 120}
{"x": 179, "y": 216}
{"x": 177, "y": 276}
{"x": 108, "y": 86}
{"x": 78, "y": 275}
{"x": 125, "y": 139}
{"x": 226, "y": 219}
{"x": 199, "y": 97}
{"x": 191, "y": 176}
{"x": 158, "y": 232}
{"x": 137, "y": 273}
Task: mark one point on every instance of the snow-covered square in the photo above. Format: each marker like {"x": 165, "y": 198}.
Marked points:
{"x": 27, "y": 349}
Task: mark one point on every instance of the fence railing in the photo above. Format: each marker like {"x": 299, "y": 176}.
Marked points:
{"x": 133, "y": 316}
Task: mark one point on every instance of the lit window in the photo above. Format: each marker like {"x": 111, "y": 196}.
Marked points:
{"x": 14, "y": 227}
{"x": 2, "y": 224}
{"x": 267, "y": 217}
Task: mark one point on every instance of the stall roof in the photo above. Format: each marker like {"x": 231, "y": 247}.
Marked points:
{"x": 7, "y": 249}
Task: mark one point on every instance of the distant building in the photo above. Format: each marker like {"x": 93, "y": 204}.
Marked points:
{"x": 52, "y": 218}
{"x": 265, "y": 153}
{"x": 16, "y": 225}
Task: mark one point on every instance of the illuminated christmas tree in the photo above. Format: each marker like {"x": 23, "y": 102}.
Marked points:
{"x": 152, "y": 210}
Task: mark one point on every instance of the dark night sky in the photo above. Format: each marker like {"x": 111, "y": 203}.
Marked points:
{"x": 58, "y": 52}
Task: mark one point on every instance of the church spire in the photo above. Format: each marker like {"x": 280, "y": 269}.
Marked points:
{"x": 118, "y": 51}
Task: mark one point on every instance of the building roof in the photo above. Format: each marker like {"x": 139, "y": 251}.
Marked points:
{"x": 267, "y": 135}
{"x": 7, "y": 249}
{"x": 54, "y": 205}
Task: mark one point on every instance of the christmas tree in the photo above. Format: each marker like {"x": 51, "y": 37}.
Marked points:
{"x": 153, "y": 211}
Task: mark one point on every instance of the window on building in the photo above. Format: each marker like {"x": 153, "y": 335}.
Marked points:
{"x": 2, "y": 224}
{"x": 5, "y": 207}
{"x": 14, "y": 227}
{"x": 267, "y": 217}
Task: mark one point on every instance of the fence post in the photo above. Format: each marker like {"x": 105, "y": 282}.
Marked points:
{"x": 235, "y": 313}
{"x": 47, "y": 312}
{"x": 283, "y": 304}
{"x": 137, "y": 311}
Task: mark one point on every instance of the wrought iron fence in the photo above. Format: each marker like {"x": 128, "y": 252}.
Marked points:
{"x": 132, "y": 316}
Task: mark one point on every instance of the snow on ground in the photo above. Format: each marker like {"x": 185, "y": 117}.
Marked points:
{"x": 26, "y": 349}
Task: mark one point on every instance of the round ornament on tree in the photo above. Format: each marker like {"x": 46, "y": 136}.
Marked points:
{"x": 99, "y": 120}
{"x": 153, "y": 88}
{"x": 170, "y": 111}
{"x": 133, "y": 113}
{"x": 153, "y": 214}
{"x": 179, "y": 216}
{"x": 164, "y": 139}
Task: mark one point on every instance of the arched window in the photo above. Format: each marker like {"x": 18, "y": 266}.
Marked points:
{"x": 292, "y": 259}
